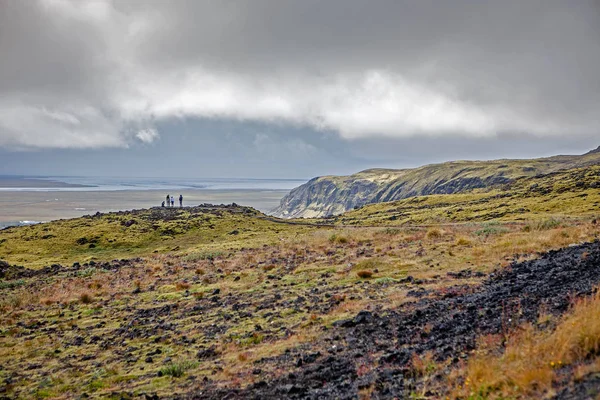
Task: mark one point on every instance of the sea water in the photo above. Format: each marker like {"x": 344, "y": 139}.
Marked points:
{"x": 30, "y": 200}
{"x": 120, "y": 183}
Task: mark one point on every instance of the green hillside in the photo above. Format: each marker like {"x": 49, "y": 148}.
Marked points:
{"x": 331, "y": 195}
{"x": 561, "y": 194}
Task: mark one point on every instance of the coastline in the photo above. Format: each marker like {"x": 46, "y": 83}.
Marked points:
{"x": 43, "y": 206}
{"x": 23, "y": 183}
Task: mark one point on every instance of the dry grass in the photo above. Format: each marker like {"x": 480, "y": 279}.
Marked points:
{"x": 434, "y": 233}
{"x": 86, "y": 298}
{"x": 182, "y": 285}
{"x": 528, "y": 365}
{"x": 365, "y": 274}
{"x": 299, "y": 264}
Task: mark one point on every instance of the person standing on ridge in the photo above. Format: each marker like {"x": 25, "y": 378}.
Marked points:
{"x": 168, "y": 200}
{"x": 172, "y": 201}
{"x": 180, "y": 200}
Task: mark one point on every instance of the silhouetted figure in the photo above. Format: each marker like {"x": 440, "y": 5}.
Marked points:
{"x": 163, "y": 204}
{"x": 172, "y": 201}
{"x": 180, "y": 200}
{"x": 168, "y": 200}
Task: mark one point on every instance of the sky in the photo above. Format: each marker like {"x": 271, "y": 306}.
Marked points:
{"x": 292, "y": 89}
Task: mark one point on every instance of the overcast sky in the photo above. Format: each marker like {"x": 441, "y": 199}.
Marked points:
{"x": 281, "y": 88}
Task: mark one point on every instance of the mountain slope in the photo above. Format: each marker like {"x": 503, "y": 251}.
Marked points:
{"x": 331, "y": 195}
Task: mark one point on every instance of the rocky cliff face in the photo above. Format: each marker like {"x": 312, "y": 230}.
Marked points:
{"x": 331, "y": 195}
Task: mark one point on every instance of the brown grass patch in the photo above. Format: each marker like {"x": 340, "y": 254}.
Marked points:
{"x": 528, "y": 366}
{"x": 434, "y": 233}
{"x": 86, "y": 298}
{"x": 365, "y": 274}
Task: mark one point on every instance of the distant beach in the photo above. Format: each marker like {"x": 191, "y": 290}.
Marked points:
{"x": 26, "y": 200}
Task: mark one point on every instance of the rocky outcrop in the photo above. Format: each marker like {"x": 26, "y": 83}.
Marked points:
{"x": 332, "y": 195}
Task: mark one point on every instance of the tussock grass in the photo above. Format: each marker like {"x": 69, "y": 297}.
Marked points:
{"x": 336, "y": 238}
{"x": 365, "y": 274}
{"x": 178, "y": 369}
{"x": 434, "y": 233}
{"x": 462, "y": 241}
{"x": 531, "y": 359}
{"x": 86, "y": 298}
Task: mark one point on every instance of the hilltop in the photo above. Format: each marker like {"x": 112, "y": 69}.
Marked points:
{"x": 332, "y": 195}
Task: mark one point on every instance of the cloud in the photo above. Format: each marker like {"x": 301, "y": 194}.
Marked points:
{"x": 147, "y": 135}
{"x": 104, "y": 74}
{"x": 34, "y": 126}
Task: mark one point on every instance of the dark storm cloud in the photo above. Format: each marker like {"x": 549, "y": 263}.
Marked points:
{"x": 341, "y": 76}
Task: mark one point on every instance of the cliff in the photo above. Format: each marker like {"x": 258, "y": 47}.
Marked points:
{"x": 332, "y": 195}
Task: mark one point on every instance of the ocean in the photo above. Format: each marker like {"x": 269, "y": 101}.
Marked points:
{"x": 77, "y": 183}
{"x": 34, "y": 199}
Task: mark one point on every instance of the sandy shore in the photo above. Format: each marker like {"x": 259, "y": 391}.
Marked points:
{"x": 50, "y": 205}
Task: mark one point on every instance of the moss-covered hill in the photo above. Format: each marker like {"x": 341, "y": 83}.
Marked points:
{"x": 140, "y": 232}
{"x": 331, "y": 195}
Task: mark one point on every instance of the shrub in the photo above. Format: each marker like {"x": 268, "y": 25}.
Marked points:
{"x": 87, "y": 272}
{"x": 335, "y": 238}
{"x": 182, "y": 285}
{"x": 86, "y": 298}
{"x": 365, "y": 274}
{"x": 94, "y": 285}
{"x": 256, "y": 338}
{"x": 491, "y": 228}
{"x": 12, "y": 284}
{"x": 177, "y": 370}
{"x": 434, "y": 233}
{"x": 544, "y": 225}
{"x": 547, "y": 224}
{"x": 463, "y": 242}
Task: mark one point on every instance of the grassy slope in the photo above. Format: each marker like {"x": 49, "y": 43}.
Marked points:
{"x": 562, "y": 194}
{"x": 125, "y": 235}
{"x": 450, "y": 177}
{"x": 92, "y": 330}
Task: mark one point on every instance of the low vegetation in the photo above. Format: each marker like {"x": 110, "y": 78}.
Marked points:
{"x": 198, "y": 233}
{"x": 541, "y": 202}
{"x": 214, "y": 298}
{"x": 532, "y": 361}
